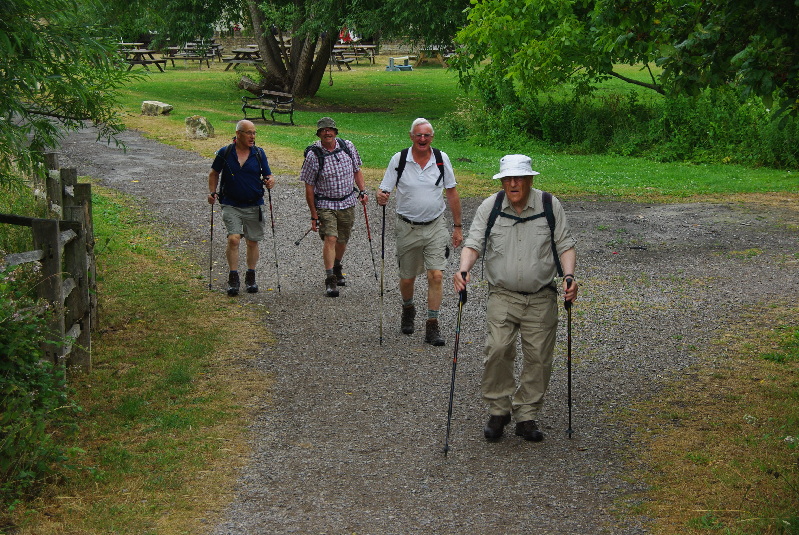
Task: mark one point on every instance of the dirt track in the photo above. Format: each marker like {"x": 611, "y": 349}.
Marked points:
{"x": 350, "y": 441}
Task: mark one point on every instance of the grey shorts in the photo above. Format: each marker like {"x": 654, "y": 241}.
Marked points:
{"x": 249, "y": 222}
{"x": 421, "y": 247}
{"x": 336, "y": 223}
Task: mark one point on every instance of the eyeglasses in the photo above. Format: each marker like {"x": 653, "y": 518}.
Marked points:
{"x": 423, "y": 135}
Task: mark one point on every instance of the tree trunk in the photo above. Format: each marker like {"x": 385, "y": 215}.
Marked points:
{"x": 299, "y": 72}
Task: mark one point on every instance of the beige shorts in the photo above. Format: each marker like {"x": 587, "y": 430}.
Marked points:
{"x": 249, "y": 222}
{"x": 336, "y": 223}
{"x": 421, "y": 247}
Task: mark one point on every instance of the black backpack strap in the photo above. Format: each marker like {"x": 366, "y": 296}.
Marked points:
{"x": 547, "y": 198}
{"x": 440, "y": 164}
{"x": 226, "y": 171}
{"x": 401, "y": 166}
{"x": 492, "y": 218}
{"x": 258, "y": 151}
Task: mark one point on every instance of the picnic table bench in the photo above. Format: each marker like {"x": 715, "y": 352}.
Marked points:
{"x": 272, "y": 101}
{"x": 249, "y": 55}
{"x": 188, "y": 54}
{"x": 143, "y": 57}
{"x": 393, "y": 63}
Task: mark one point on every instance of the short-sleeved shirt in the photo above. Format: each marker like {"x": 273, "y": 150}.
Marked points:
{"x": 241, "y": 185}
{"x": 518, "y": 256}
{"x": 418, "y": 197}
{"x": 335, "y": 187}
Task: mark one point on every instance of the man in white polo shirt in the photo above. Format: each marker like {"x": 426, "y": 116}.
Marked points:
{"x": 420, "y": 175}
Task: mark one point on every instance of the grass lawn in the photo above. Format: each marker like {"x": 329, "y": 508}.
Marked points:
{"x": 374, "y": 108}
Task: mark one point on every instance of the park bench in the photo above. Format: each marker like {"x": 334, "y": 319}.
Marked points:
{"x": 394, "y": 63}
{"x": 272, "y": 101}
{"x": 344, "y": 61}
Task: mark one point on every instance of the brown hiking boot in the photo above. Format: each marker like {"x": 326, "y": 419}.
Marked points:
{"x": 495, "y": 425}
{"x": 432, "y": 334}
{"x": 340, "y": 280}
{"x": 331, "y": 288}
{"x": 408, "y": 316}
{"x": 249, "y": 281}
{"x": 528, "y": 430}
{"x": 233, "y": 283}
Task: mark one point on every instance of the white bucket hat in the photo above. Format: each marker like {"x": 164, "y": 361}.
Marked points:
{"x": 515, "y": 165}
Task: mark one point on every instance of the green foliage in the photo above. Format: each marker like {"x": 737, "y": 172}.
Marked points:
{"x": 56, "y": 71}
{"x": 537, "y": 45}
{"x": 35, "y": 411}
{"x": 715, "y": 127}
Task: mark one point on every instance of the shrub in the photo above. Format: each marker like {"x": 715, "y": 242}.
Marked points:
{"x": 714, "y": 127}
{"x": 35, "y": 412}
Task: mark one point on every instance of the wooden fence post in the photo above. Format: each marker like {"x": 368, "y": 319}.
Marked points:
{"x": 83, "y": 197}
{"x": 46, "y": 237}
{"x": 76, "y": 303}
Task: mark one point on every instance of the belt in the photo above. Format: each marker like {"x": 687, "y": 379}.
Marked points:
{"x": 415, "y": 222}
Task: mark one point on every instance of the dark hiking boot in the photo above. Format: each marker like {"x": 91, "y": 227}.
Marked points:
{"x": 408, "y": 316}
{"x": 529, "y": 431}
{"x": 340, "y": 280}
{"x": 432, "y": 335}
{"x": 249, "y": 281}
{"x": 495, "y": 426}
{"x": 233, "y": 283}
{"x": 331, "y": 288}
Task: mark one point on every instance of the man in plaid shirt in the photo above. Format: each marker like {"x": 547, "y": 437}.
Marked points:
{"x": 333, "y": 184}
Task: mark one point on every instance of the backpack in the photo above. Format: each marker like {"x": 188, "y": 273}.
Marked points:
{"x": 321, "y": 154}
{"x": 258, "y": 151}
{"x": 404, "y": 158}
{"x": 496, "y": 211}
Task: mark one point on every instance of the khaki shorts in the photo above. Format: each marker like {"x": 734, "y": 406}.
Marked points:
{"x": 249, "y": 222}
{"x": 421, "y": 247}
{"x": 336, "y": 223}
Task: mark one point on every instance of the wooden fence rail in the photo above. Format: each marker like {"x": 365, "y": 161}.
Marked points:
{"x": 64, "y": 246}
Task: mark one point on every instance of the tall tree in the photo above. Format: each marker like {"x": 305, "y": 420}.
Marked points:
{"x": 534, "y": 45}
{"x": 56, "y": 72}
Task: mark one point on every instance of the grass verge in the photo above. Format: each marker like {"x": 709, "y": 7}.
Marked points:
{"x": 721, "y": 448}
{"x": 166, "y": 407}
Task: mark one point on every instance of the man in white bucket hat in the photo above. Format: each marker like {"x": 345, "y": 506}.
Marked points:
{"x": 522, "y": 253}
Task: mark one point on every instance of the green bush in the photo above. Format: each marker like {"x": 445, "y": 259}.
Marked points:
{"x": 715, "y": 127}
{"x": 35, "y": 412}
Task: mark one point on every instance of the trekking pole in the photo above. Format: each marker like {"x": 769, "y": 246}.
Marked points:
{"x": 211, "y": 250}
{"x": 568, "y": 306}
{"x": 461, "y": 302}
{"x": 274, "y": 239}
{"x": 303, "y": 236}
{"x": 382, "y": 268}
{"x": 369, "y": 235}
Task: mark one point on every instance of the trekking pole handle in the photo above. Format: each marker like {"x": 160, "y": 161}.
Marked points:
{"x": 462, "y": 293}
{"x": 568, "y": 304}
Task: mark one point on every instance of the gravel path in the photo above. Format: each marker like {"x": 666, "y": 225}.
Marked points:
{"x": 350, "y": 439}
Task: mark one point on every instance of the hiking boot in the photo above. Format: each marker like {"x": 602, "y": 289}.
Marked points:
{"x": 432, "y": 334}
{"x": 495, "y": 425}
{"x": 340, "y": 280}
{"x": 233, "y": 283}
{"x": 331, "y": 288}
{"x": 408, "y": 315}
{"x": 249, "y": 281}
{"x": 529, "y": 431}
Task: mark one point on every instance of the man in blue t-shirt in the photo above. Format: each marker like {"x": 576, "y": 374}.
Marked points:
{"x": 244, "y": 171}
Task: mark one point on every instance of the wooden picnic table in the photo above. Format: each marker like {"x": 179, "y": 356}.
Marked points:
{"x": 143, "y": 57}
{"x": 247, "y": 55}
{"x": 357, "y": 51}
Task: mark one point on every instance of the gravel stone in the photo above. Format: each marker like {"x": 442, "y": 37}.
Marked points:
{"x": 351, "y": 438}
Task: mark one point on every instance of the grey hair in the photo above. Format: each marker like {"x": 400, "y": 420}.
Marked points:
{"x": 420, "y": 121}
{"x": 240, "y": 123}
